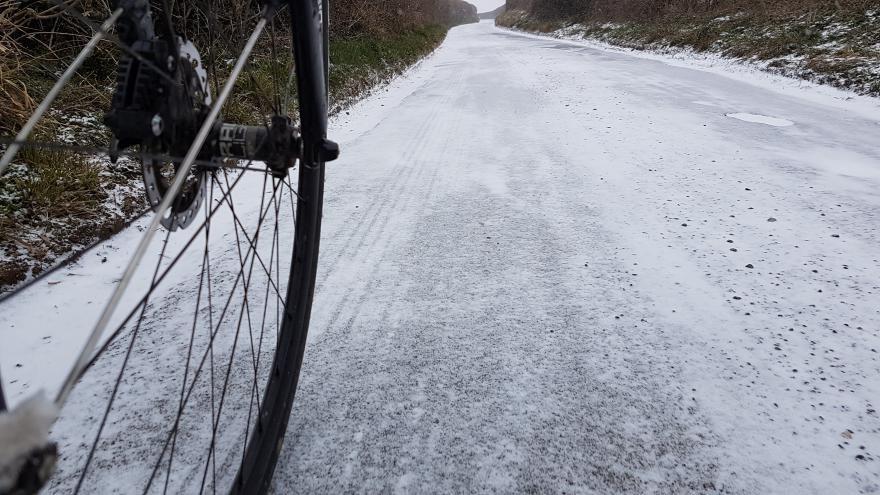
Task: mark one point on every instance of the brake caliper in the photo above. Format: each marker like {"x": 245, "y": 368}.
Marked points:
{"x": 161, "y": 100}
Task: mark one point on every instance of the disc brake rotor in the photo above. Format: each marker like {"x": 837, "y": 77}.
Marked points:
{"x": 159, "y": 174}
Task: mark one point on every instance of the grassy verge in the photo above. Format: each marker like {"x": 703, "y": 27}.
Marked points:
{"x": 835, "y": 47}
{"x": 359, "y": 64}
{"x": 54, "y": 203}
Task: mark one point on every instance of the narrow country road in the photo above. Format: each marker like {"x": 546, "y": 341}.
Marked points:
{"x": 545, "y": 268}
{"x": 552, "y": 268}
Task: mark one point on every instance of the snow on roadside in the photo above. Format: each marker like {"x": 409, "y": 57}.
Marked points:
{"x": 748, "y": 72}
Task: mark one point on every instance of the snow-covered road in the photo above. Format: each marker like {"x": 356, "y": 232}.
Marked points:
{"x": 554, "y": 268}
{"x": 551, "y": 268}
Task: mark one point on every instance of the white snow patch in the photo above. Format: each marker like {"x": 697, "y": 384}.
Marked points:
{"x": 23, "y": 430}
{"x": 761, "y": 119}
{"x": 750, "y": 73}
{"x": 843, "y": 162}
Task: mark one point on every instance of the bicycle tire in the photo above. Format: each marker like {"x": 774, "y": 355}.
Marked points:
{"x": 309, "y": 54}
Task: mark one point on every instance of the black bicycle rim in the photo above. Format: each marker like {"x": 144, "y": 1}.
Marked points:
{"x": 266, "y": 443}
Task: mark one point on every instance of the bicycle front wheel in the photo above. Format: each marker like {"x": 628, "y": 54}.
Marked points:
{"x": 193, "y": 383}
{"x": 308, "y": 25}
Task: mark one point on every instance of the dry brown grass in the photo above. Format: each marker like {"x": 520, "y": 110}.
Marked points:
{"x": 59, "y": 183}
{"x": 51, "y": 201}
{"x": 17, "y": 102}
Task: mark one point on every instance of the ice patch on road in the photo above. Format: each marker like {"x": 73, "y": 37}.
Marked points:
{"x": 761, "y": 119}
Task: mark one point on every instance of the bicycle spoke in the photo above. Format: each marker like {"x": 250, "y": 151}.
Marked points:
{"x": 246, "y": 306}
{"x": 186, "y": 368}
{"x": 293, "y": 207}
{"x": 288, "y": 87}
{"x": 141, "y": 302}
{"x": 256, "y": 356}
{"x": 184, "y": 396}
{"x": 214, "y": 332}
{"x": 276, "y": 103}
{"x": 251, "y": 169}
{"x": 251, "y": 249}
{"x": 248, "y": 239}
{"x": 168, "y": 24}
{"x": 212, "y": 56}
{"x": 293, "y": 192}
{"x": 277, "y": 247}
{"x": 134, "y": 335}
{"x": 214, "y": 419}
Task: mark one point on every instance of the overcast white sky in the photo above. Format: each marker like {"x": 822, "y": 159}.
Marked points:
{"x": 486, "y": 5}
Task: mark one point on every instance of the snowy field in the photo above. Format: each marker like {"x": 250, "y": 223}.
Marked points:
{"x": 550, "y": 267}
